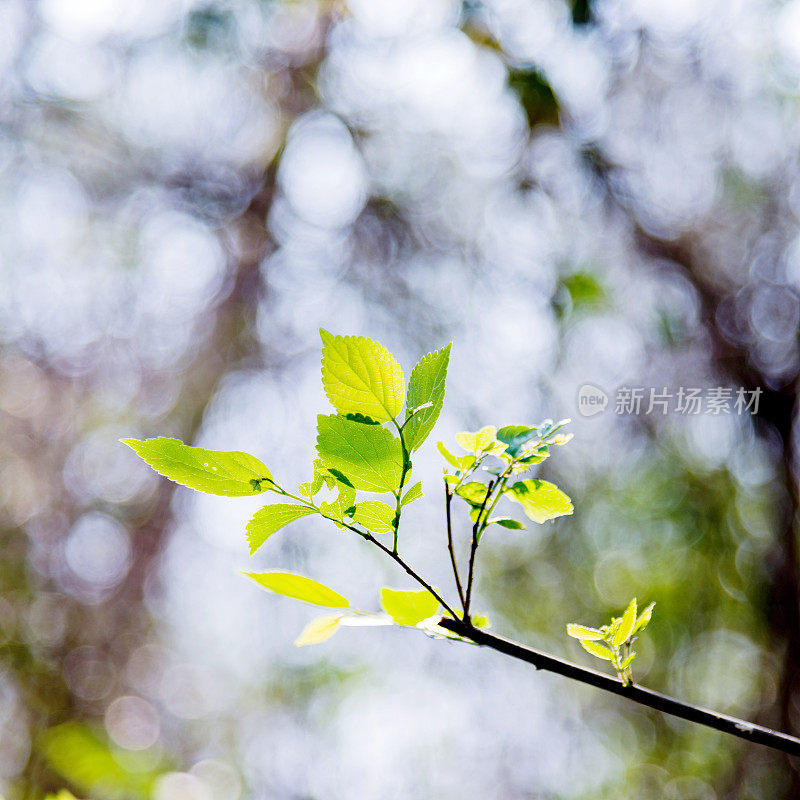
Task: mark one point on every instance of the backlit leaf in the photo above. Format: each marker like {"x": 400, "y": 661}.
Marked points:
{"x": 229, "y": 473}
{"x": 375, "y": 516}
{"x": 583, "y": 633}
{"x": 408, "y": 608}
{"x": 300, "y": 588}
{"x": 414, "y": 493}
{"x": 540, "y": 500}
{"x": 597, "y": 649}
{"x": 318, "y": 630}
{"x": 361, "y": 377}
{"x": 269, "y": 519}
{"x": 477, "y": 442}
{"x": 426, "y": 385}
{"x": 459, "y": 462}
{"x": 368, "y": 455}
{"x": 507, "y": 522}
{"x": 643, "y": 619}
{"x": 626, "y": 624}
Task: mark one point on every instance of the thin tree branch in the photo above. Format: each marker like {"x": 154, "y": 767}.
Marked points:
{"x": 660, "y": 702}
{"x": 474, "y": 549}
{"x": 448, "y": 499}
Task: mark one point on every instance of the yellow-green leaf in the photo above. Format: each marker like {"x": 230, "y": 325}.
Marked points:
{"x": 300, "y": 588}
{"x": 540, "y": 500}
{"x": 597, "y": 649}
{"x": 625, "y": 628}
{"x": 644, "y": 618}
{"x": 368, "y": 455}
{"x": 318, "y": 630}
{"x": 459, "y": 462}
{"x": 408, "y": 608}
{"x": 361, "y": 377}
{"x": 584, "y": 633}
{"x": 426, "y": 385}
{"x": 477, "y": 442}
{"x": 269, "y": 519}
{"x": 414, "y": 493}
{"x": 224, "y": 472}
{"x": 375, "y": 516}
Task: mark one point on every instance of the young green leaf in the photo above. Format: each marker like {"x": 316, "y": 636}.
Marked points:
{"x": 408, "y": 608}
{"x": 318, "y": 630}
{"x": 477, "y": 442}
{"x": 368, "y": 455}
{"x": 540, "y": 500}
{"x": 507, "y": 522}
{"x": 626, "y": 624}
{"x": 597, "y": 649}
{"x": 300, "y": 588}
{"x": 339, "y": 508}
{"x": 361, "y": 377}
{"x": 584, "y": 633}
{"x": 459, "y": 462}
{"x": 375, "y": 516}
{"x": 414, "y": 493}
{"x": 272, "y": 518}
{"x": 222, "y": 472}
{"x": 628, "y": 661}
{"x": 481, "y": 621}
{"x": 515, "y": 437}
{"x": 644, "y": 618}
{"x": 473, "y": 492}
{"x": 426, "y": 385}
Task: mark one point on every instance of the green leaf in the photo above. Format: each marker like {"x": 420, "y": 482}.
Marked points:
{"x": 473, "y": 492}
{"x": 269, "y": 519}
{"x": 368, "y": 455}
{"x": 408, "y": 608}
{"x": 425, "y": 386}
{"x": 228, "y": 473}
{"x": 300, "y": 588}
{"x": 627, "y": 662}
{"x": 459, "y": 462}
{"x": 644, "y": 618}
{"x": 540, "y": 500}
{"x": 339, "y": 508}
{"x": 414, "y": 493}
{"x": 515, "y": 437}
{"x": 481, "y": 621}
{"x": 361, "y": 418}
{"x": 507, "y": 522}
{"x": 597, "y": 649}
{"x": 318, "y": 630}
{"x": 583, "y": 633}
{"x": 375, "y": 516}
{"x": 477, "y": 442}
{"x": 625, "y": 628}
{"x": 361, "y": 377}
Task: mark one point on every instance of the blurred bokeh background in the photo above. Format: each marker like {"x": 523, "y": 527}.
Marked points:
{"x": 606, "y": 192}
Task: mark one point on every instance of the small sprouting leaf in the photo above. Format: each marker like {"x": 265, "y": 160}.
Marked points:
{"x": 361, "y": 377}
{"x": 408, "y": 608}
{"x": 222, "y": 472}
{"x": 584, "y": 633}
{"x": 507, "y": 522}
{"x": 540, "y": 500}
{"x": 626, "y": 624}
{"x": 269, "y": 519}
{"x": 473, "y": 492}
{"x": 481, "y": 621}
{"x": 375, "y": 516}
{"x": 414, "y": 493}
{"x": 628, "y": 661}
{"x": 597, "y": 649}
{"x": 644, "y": 618}
{"x": 318, "y": 630}
{"x": 426, "y": 385}
{"x": 477, "y": 442}
{"x": 611, "y": 630}
{"x": 370, "y": 457}
{"x": 459, "y": 462}
{"x": 300, "y": 588}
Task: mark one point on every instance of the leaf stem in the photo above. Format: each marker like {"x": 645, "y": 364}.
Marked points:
{"x": 476, "y": 530}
